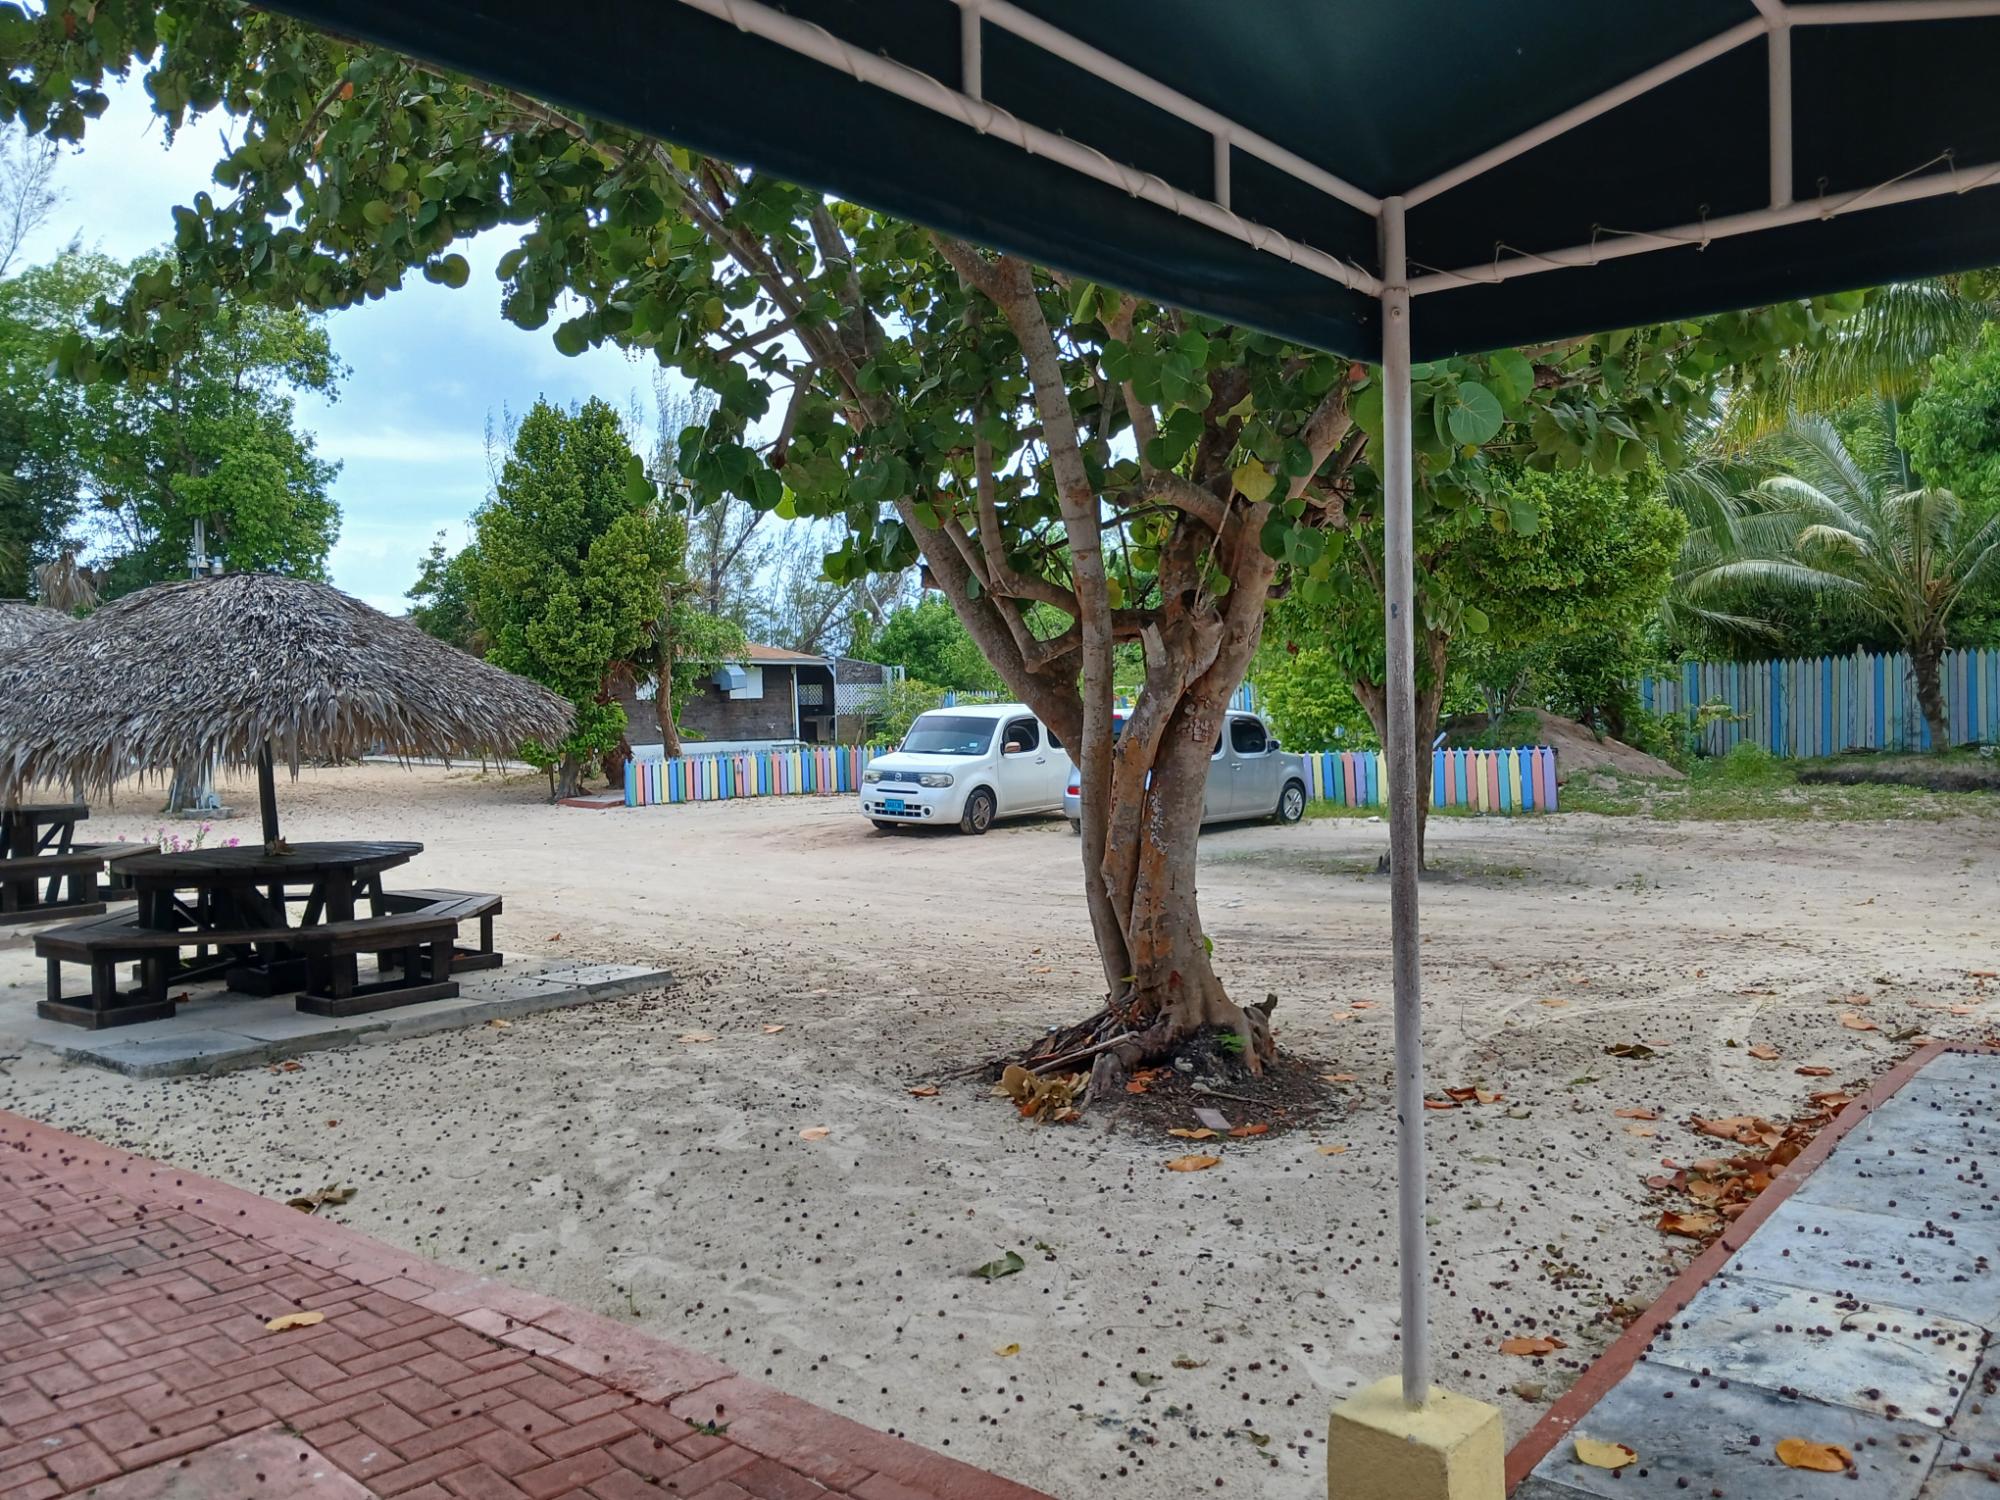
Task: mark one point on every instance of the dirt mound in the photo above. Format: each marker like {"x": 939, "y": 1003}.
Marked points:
{"x": 1577, "y": 749}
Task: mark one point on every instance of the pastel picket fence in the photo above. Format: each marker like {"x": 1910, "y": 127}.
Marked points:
{"x": 810, "y": 770}
{"x": 1517, "y": 780}
{"x": 1826, "y": 705}
{"x": 1520, "y": 779}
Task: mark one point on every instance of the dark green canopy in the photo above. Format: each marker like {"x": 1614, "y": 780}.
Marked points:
{"x": 1229, "y": 155}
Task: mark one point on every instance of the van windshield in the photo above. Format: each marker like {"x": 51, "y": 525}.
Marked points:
{"x": 949, "y": 734}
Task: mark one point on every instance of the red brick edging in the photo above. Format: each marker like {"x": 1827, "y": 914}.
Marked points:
{"x": 1613, "y": 1365}
{"x": 64, "y": 1302}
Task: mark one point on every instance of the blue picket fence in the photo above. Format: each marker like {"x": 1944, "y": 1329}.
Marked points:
{"x": 1829, "y": 704}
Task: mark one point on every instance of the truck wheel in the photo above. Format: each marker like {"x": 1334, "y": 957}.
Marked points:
{"x": 978, "y": 815}
{"x": 1291, "y": 803}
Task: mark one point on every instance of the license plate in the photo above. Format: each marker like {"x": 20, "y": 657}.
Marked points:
{"x": 892, "y": 804}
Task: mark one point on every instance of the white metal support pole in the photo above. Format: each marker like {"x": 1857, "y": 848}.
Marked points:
{"x": 1397, "y": 479}
{"x": 1780, "y": 44}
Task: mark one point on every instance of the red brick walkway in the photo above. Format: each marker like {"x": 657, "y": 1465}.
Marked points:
{"x": 133, "y": 1304}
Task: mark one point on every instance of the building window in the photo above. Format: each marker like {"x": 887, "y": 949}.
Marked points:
{"x": 812, "y": 695}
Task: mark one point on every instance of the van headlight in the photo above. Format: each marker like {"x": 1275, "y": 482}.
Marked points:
{"x": 934, "y": 778}
{"x": 871, "y": 777}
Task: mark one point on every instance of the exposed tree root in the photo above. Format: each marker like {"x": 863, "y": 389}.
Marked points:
{"x": 1114, "y": 1046}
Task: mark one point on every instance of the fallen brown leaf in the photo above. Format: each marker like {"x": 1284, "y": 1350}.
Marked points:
{"x": 1337, "y": 1078}
{"x": 1193, "y": 1163}
{"x": 815, "y": 1133}
{"x": 1604, "y": 1455}
{"x": 1645, "y": 1132}
{"x": 774, "y": 1029}
{"x": 1813, "y": 1070}
{"x": 1008, "y": 1351}
{"x": 1439, "y": 1104}
{"x": 691, "y": 1037}
{"x": 499, "y": 1025}
{"x": 1821, "y": 1458}
{"x": 1201, "y": 1134}
{"x": 1333, "y": 1151}
{"x": 1693, "y": 1226}
{"x": 1524, "y": 1345}
{"x": 1636, "y": 1112}
{"x": 1244, "y": 1132}
{"x": 924, "y": 1091}
{"x": 295, "y": 1320}
{"x": 1857, "y": 1023}
{"x": 1764, "y": 1051}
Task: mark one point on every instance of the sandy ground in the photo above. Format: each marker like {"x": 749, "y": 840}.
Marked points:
{"x": 1177, "y": 1333}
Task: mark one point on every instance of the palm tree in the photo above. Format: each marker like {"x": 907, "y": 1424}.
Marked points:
{"x": 1903, "y": 557}
{"x": 1885, "y": 349}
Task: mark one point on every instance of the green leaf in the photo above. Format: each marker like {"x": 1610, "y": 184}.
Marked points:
{"x": 1007, "y": 1265}
{"x": 1253, "y": 481}
{"x": 1366, "y": 405}
{"x": 1475, "y": 619}
{"x": 376, "y": 212}
{"x": 1115, "y": 592}
{"x": 1512, "y": 376}
{"x": 1474, "y": 415}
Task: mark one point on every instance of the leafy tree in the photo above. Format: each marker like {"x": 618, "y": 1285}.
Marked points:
{"x": 929, "y": 642}
{"x": 212, "y": 437}
{"x": 570, "y": 560}
{"x": 1307, "y": 695}
{"x": 1952, "y": 429}
{"x": 1906, "y": 557}
{"x": 1561, "y": 557}
{"x": 1151, "y": 476}
{"x": 443, "y": 600}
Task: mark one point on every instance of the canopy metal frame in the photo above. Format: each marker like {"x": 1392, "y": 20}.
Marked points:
{"x": 1394, "y": 289}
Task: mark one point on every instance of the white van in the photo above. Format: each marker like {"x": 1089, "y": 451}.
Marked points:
{"x": 967, "y": 766}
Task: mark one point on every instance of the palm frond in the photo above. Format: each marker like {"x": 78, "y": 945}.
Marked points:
{"x": 1883, "y": 350}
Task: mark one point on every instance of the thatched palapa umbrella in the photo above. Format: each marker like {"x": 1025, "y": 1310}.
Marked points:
{"x": 24, "y": 624}
{"x": 251, "y": 668}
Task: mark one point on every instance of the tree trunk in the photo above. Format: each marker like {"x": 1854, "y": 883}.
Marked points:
{"x": 568, "y": 777}
{"x": 1925, "y": 665}
{"x": 663, "y": 699}
{"x": 1435, "y": 647}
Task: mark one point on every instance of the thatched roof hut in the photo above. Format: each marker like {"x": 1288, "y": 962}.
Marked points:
{"x": 24, "y": 624}
{"x": 182, "y": 673}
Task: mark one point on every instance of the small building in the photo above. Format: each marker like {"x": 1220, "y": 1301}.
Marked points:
{"x": 769, "y": 696}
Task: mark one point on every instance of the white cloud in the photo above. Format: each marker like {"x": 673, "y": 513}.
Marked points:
{"x": 398, "y": 446}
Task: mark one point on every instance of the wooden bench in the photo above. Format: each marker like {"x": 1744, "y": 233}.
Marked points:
{"x": 461, "y": 906}
{"x": 101, "y": 943}
{"x": 23, "y": 897}
{"x": 421, "y": 942}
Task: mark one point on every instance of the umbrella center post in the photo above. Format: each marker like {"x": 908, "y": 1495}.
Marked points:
{"x": 1401, "y": 1438}
{"x": 267, "y": 797}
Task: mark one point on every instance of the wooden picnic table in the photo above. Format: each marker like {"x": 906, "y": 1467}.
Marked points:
{"x": 245, "y": 888}
{"x": 30, "y": 828}
{"x": 233, "y": 908}
{"x": 44, "y": 872}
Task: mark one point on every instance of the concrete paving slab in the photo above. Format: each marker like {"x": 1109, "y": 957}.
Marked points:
{"x": 1709, "y": 1440}
{"x": 257, "y": 1463}
{"x": 1870, "y": 1356}
{"x": 1915, "y": 1171}
{"x": 1939, "y": 1267}
{"x": 217, "y": 1030}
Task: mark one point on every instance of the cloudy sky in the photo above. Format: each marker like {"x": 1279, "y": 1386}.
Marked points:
{"x": 427, "y": 366}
